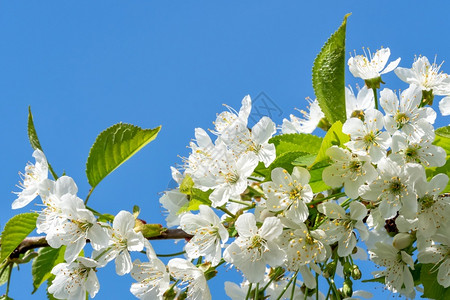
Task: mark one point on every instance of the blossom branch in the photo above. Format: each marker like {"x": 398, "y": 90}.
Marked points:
{"x": 35, "y": 242}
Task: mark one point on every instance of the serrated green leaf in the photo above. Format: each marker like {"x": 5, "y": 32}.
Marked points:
{"x": 113, "y": 147}
{"x": 328, "y": 76}
{"x": 431, "y": 288}
{"x": 34, "y": 140}
{"x": 43, "y": 264}
{"x": 15, "y": 231}
{"x": 285, "y": 161}
{"x": 32, "y": 134}
{"x": 296, "y": 142}
{"x": 304, "y": 161}
{"x": 334, "y": 136}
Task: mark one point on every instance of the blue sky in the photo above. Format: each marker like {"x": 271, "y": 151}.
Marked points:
{"x": 86, "y": 65}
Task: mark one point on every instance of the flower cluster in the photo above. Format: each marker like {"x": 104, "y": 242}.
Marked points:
{"x": 274, "y": 208}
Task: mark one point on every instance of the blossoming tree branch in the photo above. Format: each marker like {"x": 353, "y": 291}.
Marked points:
{"x": 286, "y": 208}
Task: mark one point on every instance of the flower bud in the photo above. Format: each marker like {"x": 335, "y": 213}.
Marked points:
{"x": 402, "y": 240}
{"x": 330, "y": 269}
{"x": 347, "y": 289}
{"x": 356, "y": 273}
{"x": 347, "y": 269}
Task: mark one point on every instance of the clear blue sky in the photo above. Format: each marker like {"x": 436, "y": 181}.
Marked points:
{"x": 85, "y": 65}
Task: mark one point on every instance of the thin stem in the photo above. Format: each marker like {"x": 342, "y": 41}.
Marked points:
{"x": 241, "y": 202}
{"x": 256, "y": 292}
{"x": 88, "y": 195}
{"x": 375, "y": 95}
{"x": 255, "y": 179}
{"x": 333, "y": 286}
{"x": 287, "y": 286}
{"x": 227, "y": 211}
{"x": 171, "y": 254}
{"x": 317, "y": 287}
{"x": 293, "y": 287}
{"x": 102, "y": 253}
{"x": 9, "y": 280}
{"x": 326, "y": 198}
{"x": 306, "y": 294}
{"x": 249, "y": 291}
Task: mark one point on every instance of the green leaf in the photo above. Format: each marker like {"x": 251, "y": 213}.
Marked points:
{"x": 285, "y": 161}
{"x": 431, "y": 288}
{"x": 328, "y": 76}
{"x": 32, "y": 134}
{"x": 296, "y": 142}
{"x": 304, "y": 161}
{"x": 34, "y": 140}
{"x": 15, "y": 231}
{"x": 316, "y": 181}
{"x": 443, "y": 131}
{"x": 196, "y": 198}
{"x": 442, "y": 139}
{"x": 334, "y": 136}
{"x": 43, "y": 264}
{"x": 113, "y": 147}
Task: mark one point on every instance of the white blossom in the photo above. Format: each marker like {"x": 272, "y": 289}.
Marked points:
{"x": 398, "y": 277}
{"x": 255, "y": 247}
{"x": 34, "y": 181}
{"x": 394, "y": 189}
{"x": 439, "y": 255}
{"x": 349, "y": 169}
{"x": 309, "y": 122}
{"x": 340, "y": 227}
{"x": 152, "y": 276}
{"x": 289, "y": 193}
{"x": 122, "y": 239}
{"x": 406, "y": 115}
{"x": 426, "y": 76}
{"x": 367, "y": 136}
{"x": 185, "y": 271}
{"x": 356, "y": 105}
{"x": 209, "y": 234}
{"x": 74, "y": 279}
{"x": 373, "y": 66}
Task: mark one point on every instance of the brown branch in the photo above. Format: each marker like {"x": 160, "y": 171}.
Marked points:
{"x": 35, "y": 242}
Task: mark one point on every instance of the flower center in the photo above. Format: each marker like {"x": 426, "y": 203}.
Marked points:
{"x": 256, "y": 242}
{"x": 396, "y": 186}
{"x": 426, "y": 201}
{"x": 401, "y": 119}
{"x": 231, "y": 178}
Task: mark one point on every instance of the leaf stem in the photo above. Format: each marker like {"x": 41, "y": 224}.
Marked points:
{"x": 256, "y": 291}
{"x": 317, "y": 286}
{"x": 88, "y": 195}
